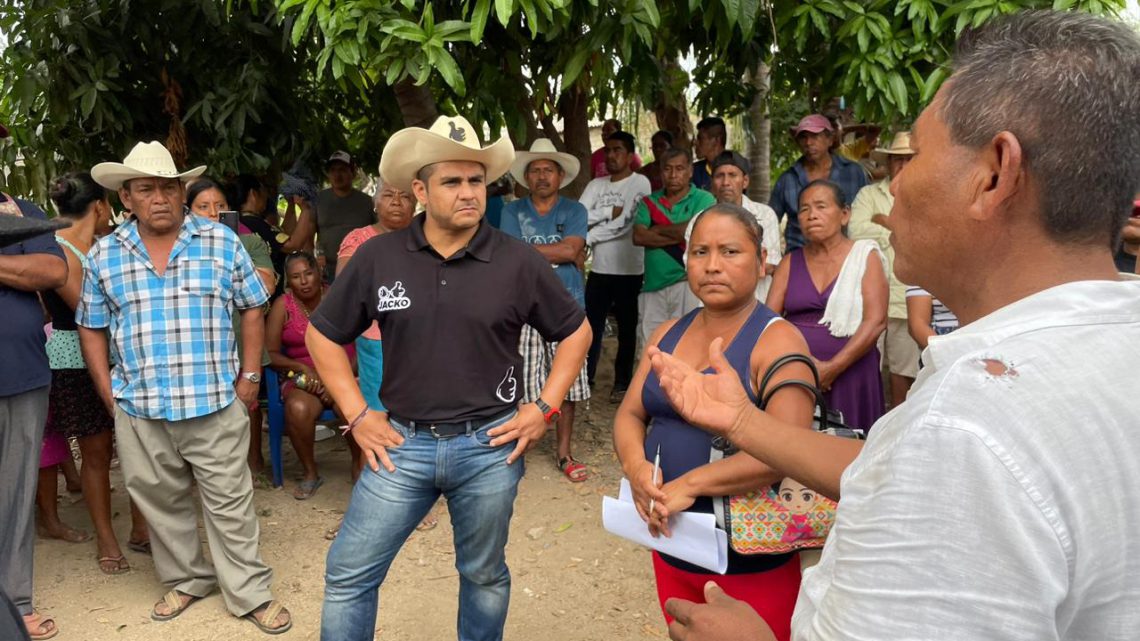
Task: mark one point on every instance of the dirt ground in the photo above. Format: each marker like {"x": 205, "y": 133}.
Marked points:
{"x": 571, "y": 579}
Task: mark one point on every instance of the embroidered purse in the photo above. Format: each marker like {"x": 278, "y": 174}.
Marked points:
{"x": 786, "y": 516}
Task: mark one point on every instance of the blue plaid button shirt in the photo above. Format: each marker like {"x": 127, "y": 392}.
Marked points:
{"x": 172, "y": 339}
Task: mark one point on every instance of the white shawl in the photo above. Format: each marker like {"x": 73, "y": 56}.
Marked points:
{"x": 844, "y": 310}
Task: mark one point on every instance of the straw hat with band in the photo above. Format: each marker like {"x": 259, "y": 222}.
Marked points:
{"x": 900, "y": 146}
{"x": 146, "y": 160}
{"x": 450, "y": 139}
{"x": 543, "y": 149}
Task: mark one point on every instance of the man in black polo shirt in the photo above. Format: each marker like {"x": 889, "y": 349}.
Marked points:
{"x": 451, "y": 296}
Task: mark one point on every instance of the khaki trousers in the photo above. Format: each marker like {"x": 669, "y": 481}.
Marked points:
{"x": 159, "y": 460}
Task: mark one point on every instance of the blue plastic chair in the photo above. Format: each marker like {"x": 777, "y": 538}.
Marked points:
{"x": 276, "y": 408}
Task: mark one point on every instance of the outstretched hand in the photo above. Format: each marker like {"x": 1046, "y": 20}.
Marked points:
{"x": 720, "y": 618}
{"x": 715, "y": 402}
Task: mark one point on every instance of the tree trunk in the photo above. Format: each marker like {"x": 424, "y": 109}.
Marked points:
{"x": 672, "y": 110}
{"x": 759, "y": 134}
{"x": 417, "y": 105}
{"x": 573, "y": 108}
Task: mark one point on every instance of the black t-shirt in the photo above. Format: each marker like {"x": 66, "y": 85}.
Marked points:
{"x": 275, "y": 238}
{"x": 23, "y": 359}
{"x": 450, "y": 326}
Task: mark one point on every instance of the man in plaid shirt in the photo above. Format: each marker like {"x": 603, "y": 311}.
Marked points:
{"x": 158, "y": 295}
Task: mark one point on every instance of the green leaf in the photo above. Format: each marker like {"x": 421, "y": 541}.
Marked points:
{"x": 503, "y": 10}
{"x": 450, "y": 72}
{"x": 731, "y": 11}
{"x": 531, "y": 16}
{"x": 648, "y": 9}
{"x": 933, "y": 82}
{"x": 479, "y": 19}
{"x": 574, "y": 66}
{"x": 302, "y": 23}
{"x": 87, "y": 105}
{"x": 395, "y": 71}
{"x": 898, "y": 87}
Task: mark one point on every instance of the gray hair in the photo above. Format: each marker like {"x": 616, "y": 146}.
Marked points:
{"x": 1065, "y": 84}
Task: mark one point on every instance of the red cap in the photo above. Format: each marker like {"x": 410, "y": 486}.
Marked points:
{"x": 814, "y": 123}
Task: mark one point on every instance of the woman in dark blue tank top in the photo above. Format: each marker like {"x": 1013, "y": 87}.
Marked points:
{"x": 725, "y": 262}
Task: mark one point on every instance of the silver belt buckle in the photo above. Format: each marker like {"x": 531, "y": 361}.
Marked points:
{"x": 431, "y": 428}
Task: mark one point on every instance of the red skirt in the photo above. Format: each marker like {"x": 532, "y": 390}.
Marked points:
{"x": 772, "y": 594}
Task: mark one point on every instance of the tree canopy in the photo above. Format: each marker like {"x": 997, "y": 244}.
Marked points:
{"x": 251, "y": 86}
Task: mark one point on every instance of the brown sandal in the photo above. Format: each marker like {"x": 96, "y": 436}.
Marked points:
{"x": 35, "y": 623}
{"x": 269, "y": 613}
{"x": 120, "y": 564}
{"x": 173, "y": 600}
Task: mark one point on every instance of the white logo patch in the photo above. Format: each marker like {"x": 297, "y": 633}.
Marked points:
{"x": 508, "y": 387}
{"x": 392, "y": 298}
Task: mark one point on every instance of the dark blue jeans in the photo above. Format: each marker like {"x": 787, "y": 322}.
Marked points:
{"x": 386, "y": 507}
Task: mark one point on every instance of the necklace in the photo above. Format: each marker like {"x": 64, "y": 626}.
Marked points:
{"x": 304, "y": 309}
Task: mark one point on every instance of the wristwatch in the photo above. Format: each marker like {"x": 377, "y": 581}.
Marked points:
{"x": 549, "y": 413}
{"x": 252, "y": 377}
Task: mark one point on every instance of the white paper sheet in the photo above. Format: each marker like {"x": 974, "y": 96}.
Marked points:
{"x": 695, "y": 538}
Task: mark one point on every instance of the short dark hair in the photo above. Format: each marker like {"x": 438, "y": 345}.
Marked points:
{"x": 836, "y": 191}
{"x": 201, "y": 185}
{"x": 716, "y": 127}
{"x": 74, "y": 192}
{"x": 728, "y": 157}
{"x": 243, "y": 186}
{"x": 740, "y": 215}
{"x": 625, "y": 138}
{"x": 661, "y": 133}
{"x": 1065, "y": 84}
{"x": 671, "y": 153}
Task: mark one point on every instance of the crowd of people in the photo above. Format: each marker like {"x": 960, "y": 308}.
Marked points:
{"x": 447, "y": 341}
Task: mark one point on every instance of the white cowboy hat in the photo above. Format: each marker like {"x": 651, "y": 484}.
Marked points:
{"x": 451, "y": 138}
{"x": 900, "y": 146}
{"x": 146, "y": 160}
{"x": 543, "y": 149}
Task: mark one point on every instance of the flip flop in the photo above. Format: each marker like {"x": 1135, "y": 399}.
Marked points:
{"x": 35, "y": 624}
{"x": 142, "y": 547}
{"x": 306, "y": 489}
{"x": 120, "y": 564}
{"x": 173, "y": 600}
{"x": 271, "y": 611}
{"x": 573, "y": 469}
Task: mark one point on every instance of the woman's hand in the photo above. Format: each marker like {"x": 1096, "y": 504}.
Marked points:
{"x": 645, "y": 490}
{"x": 314, "y": 385}
{"x": 679, "y": 497}
{"x": 828, "y": 372}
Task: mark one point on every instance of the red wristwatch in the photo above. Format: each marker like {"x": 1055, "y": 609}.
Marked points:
{"x": 549, "y": 413}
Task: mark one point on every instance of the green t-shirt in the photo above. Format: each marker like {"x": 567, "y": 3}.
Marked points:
{"x": 258, "y": 252}
{"x": 661, "y": 269}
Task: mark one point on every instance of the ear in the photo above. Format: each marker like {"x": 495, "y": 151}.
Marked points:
{"x": 1000, "y": 176}
{"x": 763, "y": 262}
{"x": 746, "y": 181}
{"x": 125, "y": 197}
{"x": 419, "y": 189}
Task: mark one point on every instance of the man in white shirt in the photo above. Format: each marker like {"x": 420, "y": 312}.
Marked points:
{"x": 1001, "y": 501}
{"x": 618, "y": 266}
{"x": 729, "y": 182}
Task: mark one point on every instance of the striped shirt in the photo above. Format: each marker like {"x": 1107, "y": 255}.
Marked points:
{"x": 942, "y": 320}
{"x": 171, "y": 335}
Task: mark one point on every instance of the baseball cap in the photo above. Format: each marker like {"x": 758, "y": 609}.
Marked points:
{"x": 340, "y": 156}
{"x": 733, "y": 158}
{"x": 813, "y": 123}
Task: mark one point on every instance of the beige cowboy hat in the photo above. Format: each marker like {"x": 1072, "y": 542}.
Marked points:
{"x": 146, "y": 160}
{"x": 543, "y": 149}
{"x": 900, "y": 146}
{"x": 451, "y": 138}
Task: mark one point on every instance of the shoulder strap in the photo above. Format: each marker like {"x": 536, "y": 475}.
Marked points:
{"x": 78, "y": 254}
{"x": 762, "y": 392}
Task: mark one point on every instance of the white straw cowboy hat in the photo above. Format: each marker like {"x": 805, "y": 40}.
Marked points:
{"x": 900, "y": 146}
{"x": 451, "y": 138}
{"x": 543, "y": 149}
{"x": 146, "y": 160}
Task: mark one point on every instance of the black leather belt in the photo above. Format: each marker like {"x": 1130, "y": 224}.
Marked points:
{"x": 447, "y": 430}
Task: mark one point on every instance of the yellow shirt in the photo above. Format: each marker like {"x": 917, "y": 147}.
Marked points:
{"x": 874, "y": 199}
